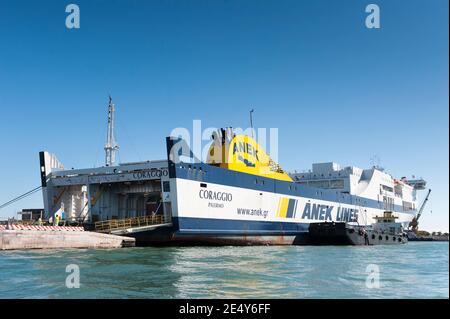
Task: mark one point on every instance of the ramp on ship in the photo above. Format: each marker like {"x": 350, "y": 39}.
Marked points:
{"x": 130, "y": 226}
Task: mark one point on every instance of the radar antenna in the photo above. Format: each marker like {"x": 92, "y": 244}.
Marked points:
{"x": 375, "y": 163}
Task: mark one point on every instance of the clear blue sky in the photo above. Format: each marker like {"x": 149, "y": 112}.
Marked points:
{"x": 336, "y": 90}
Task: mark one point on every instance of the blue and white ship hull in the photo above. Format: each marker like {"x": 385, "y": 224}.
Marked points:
{"x": 211, "y": 205}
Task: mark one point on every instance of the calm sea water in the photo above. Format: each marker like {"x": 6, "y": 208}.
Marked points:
{"x": 415, "y": 270}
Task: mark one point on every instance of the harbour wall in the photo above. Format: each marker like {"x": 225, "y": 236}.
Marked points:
{"x": 36, "y": 239}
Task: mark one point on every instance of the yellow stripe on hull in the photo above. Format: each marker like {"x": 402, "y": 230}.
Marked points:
{"x": 284, "y": 207}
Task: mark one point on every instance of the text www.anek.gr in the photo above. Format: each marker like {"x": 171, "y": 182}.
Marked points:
{"x": 252, "y": 212}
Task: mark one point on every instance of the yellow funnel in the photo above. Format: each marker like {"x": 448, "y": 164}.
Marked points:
{"x": 244, "y": 154}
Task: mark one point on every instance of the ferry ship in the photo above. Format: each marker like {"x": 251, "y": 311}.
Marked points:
{"x": 240, "y": 196}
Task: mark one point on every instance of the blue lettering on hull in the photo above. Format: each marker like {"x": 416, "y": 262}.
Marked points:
{"x": 317, "y": 212}
{"x": 346, "y": 214}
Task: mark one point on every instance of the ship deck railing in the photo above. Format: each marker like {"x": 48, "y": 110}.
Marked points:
{"x": 108, "y": 226}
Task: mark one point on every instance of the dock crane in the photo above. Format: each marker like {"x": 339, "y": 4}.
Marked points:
{"x": 413, "y": 225}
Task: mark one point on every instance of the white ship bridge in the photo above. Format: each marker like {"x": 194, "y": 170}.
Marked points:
{"x": 373, "y": 183}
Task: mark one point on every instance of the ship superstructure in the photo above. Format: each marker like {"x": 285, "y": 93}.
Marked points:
{"x": 374, "y": 183}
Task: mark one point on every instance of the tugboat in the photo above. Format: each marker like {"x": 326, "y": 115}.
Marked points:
{"x": 385, "y": 231}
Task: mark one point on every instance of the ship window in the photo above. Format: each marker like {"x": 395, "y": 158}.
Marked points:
{"x": 166, "y": 186}
{"x": 262, "y": 182}
{"x": 303, "y": 183}
{"x": 407, "y": 206}
{"x": 203, "y": 185}
{"x": 336, "y": 183}
{"x": 319, "y": 184}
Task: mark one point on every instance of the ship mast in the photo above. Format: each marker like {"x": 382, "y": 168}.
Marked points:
{"x": 111, "y": 147}
{"x": 251, "y": 121}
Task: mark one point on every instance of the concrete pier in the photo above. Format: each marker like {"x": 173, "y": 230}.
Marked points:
{"x": 35, "y": 239}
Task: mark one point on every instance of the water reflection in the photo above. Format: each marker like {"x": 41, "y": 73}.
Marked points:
{"x": 229, "y": 272}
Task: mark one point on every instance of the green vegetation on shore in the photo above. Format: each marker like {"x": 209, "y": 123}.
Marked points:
{"x": 434, "y": 235}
